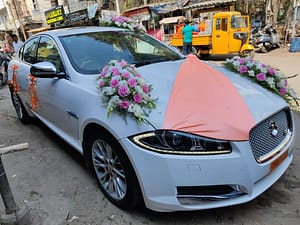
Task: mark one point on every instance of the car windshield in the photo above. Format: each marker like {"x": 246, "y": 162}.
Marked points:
{"x": 90, "y": 52}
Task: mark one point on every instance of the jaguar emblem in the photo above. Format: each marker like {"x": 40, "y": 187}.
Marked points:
{"x": 273, "y": 128}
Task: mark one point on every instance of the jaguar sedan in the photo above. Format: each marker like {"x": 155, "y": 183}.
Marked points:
{"x": 156, "y": 128}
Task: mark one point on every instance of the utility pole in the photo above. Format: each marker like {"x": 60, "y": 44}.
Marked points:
{"x": 118, "y": 7}
{"x": 295, "y": 8}
{"x": 19, "y": 19}
{"x": 13, "y": 215}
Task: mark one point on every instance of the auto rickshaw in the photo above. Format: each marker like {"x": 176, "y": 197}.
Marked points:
{"x": 226, "y": 33}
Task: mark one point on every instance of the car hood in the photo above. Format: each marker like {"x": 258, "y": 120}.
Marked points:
{"x": 204, "y": 105}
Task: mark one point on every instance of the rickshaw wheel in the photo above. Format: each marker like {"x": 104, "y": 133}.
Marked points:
{"x": 194, "y": 51}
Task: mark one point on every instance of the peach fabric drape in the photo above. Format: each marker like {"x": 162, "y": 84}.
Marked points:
{"x": 204, "y": 102}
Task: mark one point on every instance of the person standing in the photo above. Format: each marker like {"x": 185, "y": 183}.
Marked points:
{"x": 16, "y": 43}
{"x": 187, "y": 33}
{"x": 202, "y": 25}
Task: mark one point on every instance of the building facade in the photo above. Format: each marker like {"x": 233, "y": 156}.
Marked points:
{"x": 21, "y": 16}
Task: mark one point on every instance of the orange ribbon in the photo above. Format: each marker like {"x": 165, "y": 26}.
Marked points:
{"x": 33, "y": 92}
{"x": 14, "y": 81}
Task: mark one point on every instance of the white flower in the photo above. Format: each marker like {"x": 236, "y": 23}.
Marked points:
{"x": 279, "y": 74}
{"x": 236, "y": 63}
{"x": 147, "y": 97}
{"x": 249, "y": 65}
{"x": 116, "y": 77}
{"x": 271, "y": 82}
{"x": 138, "y": 89}
{"x": 264, "y": 69}
{"x": 123, "y": 83}
{"x": 114, "y": 101}
{"x": 251, "y": 73}
{"x": 282, "y": 84}
{"x": 136, "y": 110}
{"x": 108, "y": 91}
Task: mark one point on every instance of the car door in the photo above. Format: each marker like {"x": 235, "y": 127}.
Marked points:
{"x": 220, "y": 36}
{"x": 55, "y": 98}
{"x": 27, "y": 58}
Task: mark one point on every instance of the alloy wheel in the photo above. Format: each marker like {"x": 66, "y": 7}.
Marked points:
{"x": 109, "y": 170}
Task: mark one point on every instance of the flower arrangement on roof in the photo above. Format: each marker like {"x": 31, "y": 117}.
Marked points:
{"x": 265, "y": 75}
{"x": 122, "y": 22}
{"x": 124, "y": 90}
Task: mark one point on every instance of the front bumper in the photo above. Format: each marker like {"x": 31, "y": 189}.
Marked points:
{"x": 165, "y": 180}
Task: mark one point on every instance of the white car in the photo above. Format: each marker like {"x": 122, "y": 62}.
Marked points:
{"x": 196, "y": 136}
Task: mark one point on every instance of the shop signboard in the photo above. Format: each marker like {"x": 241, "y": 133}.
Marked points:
{"x": 55, "y": 15}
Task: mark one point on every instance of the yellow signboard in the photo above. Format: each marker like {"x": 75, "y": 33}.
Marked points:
{"x": 55, "y": 15}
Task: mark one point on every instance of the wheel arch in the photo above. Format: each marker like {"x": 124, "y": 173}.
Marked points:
{"x": 94, "y": 127}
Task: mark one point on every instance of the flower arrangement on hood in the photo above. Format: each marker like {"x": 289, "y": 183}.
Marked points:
{"x": 125, "y": 90}
{"x": 122, "y": 22}
{"x": 263, "y": 74}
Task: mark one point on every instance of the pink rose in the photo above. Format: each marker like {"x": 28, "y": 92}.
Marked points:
{"x": 261, "y": 77}
{"x": 115, "y": 71}
{"x": 114, "y": 83}
{"x": 123, "y": 63}
{"x": 242, "y": 61}
{"x": 137, "y": 98}
{"x": 283, "y": 91}
{"x": 123, "y": 91}
{"x": 243, "y": 69}
{"x": 271, "y": 71}
{"x": 124, "y": 104}
{"x": 101, "y": 83}
{"x": 132, "y": 82}
{"x": 146, "y": 88}
{"x": 126, "y": 75}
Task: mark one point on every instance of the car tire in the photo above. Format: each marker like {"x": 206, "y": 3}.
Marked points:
{"x": 22, "y": 114}
{"x": 110, "y": 165}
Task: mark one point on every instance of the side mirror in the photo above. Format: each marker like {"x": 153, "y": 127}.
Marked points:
{"x": 45, "y": 70}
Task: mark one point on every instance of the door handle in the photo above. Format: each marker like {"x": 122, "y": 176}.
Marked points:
{"x": 217, "y": 36}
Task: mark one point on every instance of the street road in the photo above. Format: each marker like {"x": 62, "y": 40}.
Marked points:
{"x": 50, "y": 177}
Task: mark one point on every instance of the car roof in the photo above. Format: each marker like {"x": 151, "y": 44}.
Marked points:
{"x": 78, "y": 30}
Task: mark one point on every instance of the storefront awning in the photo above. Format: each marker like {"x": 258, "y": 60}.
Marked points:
{"x": 40, "y": 29}
{"x": 208, "y": 4}
{"x": 170, "y": 20}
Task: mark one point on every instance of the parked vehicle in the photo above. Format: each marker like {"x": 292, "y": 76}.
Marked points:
{"x": 226, "y": 33}
{"x": 215, "y": 138}
{"x": 267, "y": 39}
{"x": 4, "y": 61}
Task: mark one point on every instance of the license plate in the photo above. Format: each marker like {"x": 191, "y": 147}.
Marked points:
{"x": 278, "y": 161}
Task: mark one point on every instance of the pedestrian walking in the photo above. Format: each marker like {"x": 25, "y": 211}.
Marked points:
{"x": 187, "y": 33}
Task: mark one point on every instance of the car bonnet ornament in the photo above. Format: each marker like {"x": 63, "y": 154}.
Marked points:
{"x": 273, "y": 128}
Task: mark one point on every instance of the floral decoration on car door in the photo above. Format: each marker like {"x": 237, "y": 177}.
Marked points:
{"x": 14, "y": 81}
{"x": 33, "y": 92}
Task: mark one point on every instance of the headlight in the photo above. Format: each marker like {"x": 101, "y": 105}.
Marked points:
{"x": 175, "y": 142}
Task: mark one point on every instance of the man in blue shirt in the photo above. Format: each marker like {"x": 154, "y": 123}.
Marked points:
{"x": 187, "y": 33}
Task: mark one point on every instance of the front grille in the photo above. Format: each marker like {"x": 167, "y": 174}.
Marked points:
{"x": 270, "y": 133}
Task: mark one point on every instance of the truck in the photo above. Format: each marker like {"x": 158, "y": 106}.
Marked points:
{"x": 226, "y": 33}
